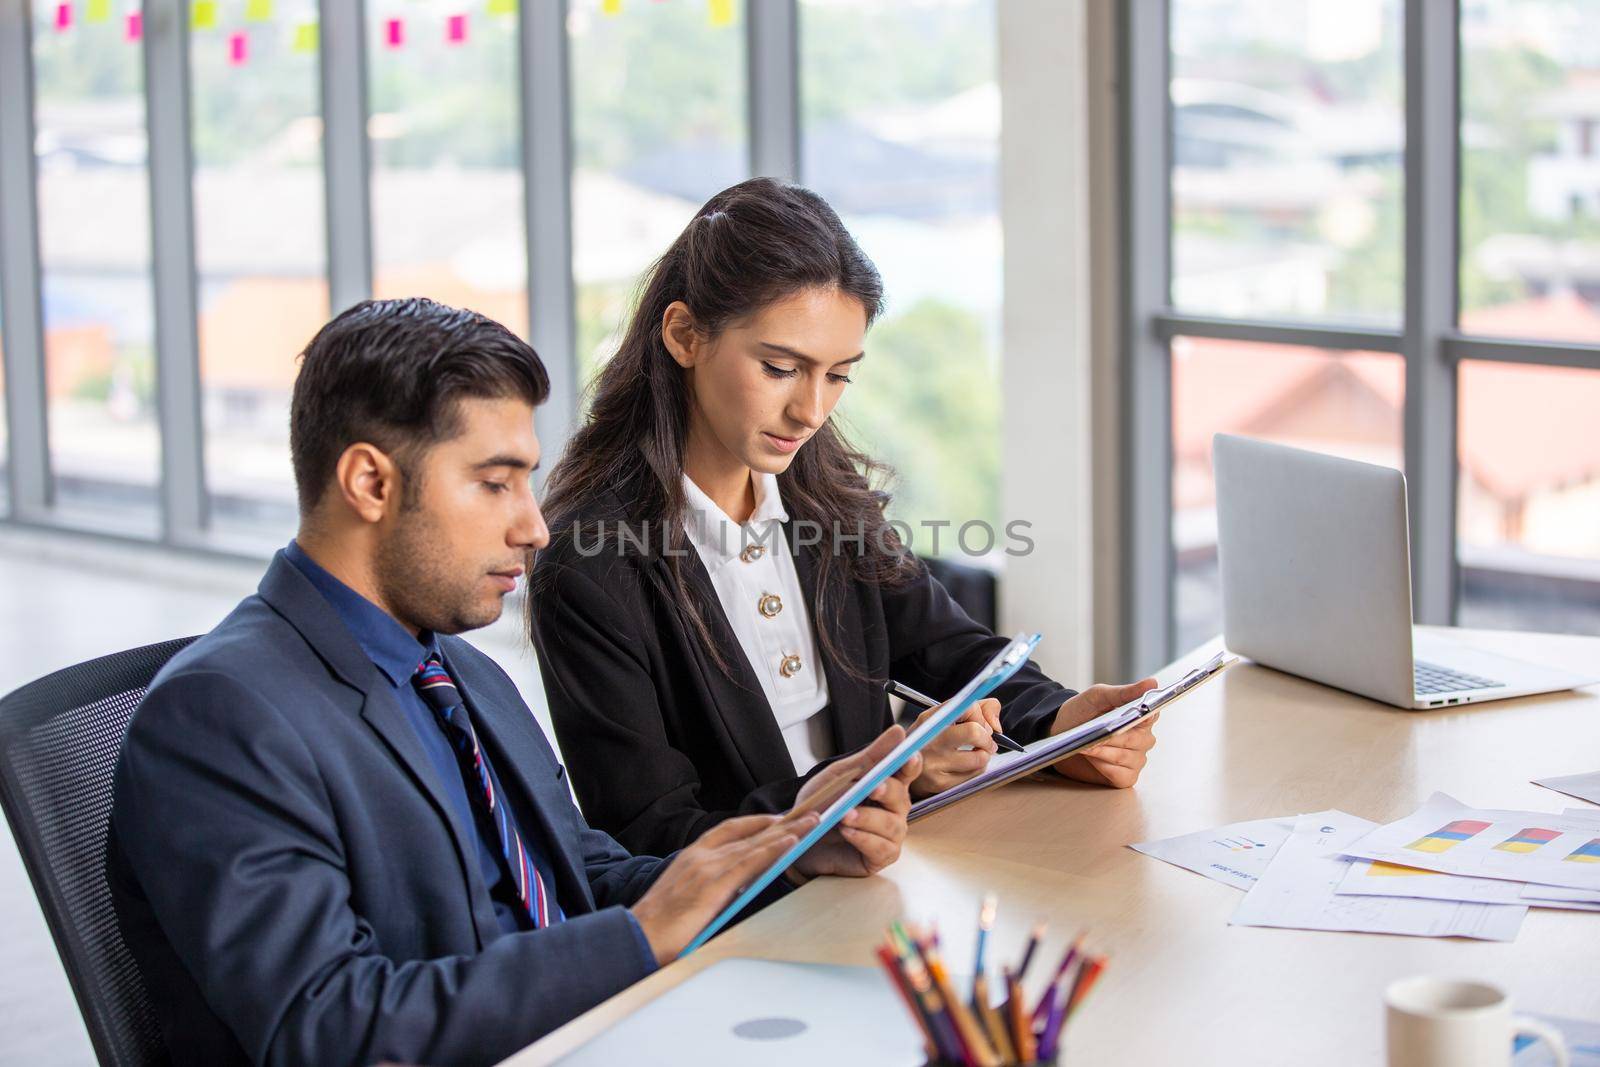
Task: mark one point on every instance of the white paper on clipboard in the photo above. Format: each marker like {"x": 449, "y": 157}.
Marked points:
{"x": 1009, "y": 766}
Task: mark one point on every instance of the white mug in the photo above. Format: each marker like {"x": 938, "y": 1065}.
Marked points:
{"x": 1442, "y": 1022}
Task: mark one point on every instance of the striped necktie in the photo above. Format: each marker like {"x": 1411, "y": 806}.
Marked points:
{"x": 434, "y": 683}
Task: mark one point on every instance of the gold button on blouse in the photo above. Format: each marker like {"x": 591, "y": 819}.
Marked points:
{"x": 751, "y": 553}
{"x": 769, "y": 604}
{"x": 789, "y": 666}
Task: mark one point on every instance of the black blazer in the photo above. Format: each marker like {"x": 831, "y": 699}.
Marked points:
{"x": 661, "y": 744}
{"x": 293, "y": 883}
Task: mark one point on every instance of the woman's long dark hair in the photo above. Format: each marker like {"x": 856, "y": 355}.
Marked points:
{"x": 749, "y": 246}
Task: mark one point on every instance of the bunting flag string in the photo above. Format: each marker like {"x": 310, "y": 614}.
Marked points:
{"x": 234, "y": 20}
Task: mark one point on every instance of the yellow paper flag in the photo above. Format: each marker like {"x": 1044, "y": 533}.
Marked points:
{"x": 611, "y": 7}
{"x": 305, "y": 37}
{"x": 97, "y": 11}
{"x": 502, "y": 7}
{"x": 258, "y": 11}
{"x": 203, "y": 15}
{"x": 721, "y": 13}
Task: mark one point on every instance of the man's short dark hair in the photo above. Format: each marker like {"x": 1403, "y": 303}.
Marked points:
{"x": 391, "y": 372}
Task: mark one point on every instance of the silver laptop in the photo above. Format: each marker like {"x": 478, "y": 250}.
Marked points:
{"x": 1316, "y": 581}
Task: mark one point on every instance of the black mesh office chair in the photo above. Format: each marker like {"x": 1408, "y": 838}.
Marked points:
{"x": 59, "y": 741}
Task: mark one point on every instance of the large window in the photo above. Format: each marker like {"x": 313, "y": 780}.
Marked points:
{"x": 447, "y": 215}
{"x": 94, "y": 237}
{"x": 5, "y": 448}
{"x": 1528, "y": 497}
{"x": 1287, "y": 141}
{"x": 260, "y": 249}
{"x": 901, "y": 125}
{"x": 1530, "y": 168}
{"x": 1280, "y": 284}
{"x": 658, "y": 126}
{"x": 1345, "y": 403}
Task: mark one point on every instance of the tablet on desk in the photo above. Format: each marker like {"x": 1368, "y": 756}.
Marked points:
{"x": 1005, "y": 663}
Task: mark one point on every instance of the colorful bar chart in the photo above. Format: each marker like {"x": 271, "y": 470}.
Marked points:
{"x": 1588, "y": 852}
{"x": 1385, "y": 869}
{"x": 1530, "y": 839}
{"x": 1449, "y": 836}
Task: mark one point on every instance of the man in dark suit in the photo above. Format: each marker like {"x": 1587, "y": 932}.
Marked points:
{"x": 338, "y": 834}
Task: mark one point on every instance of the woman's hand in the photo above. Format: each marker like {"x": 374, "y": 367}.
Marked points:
{"x": 869, "y": 837}
{"x": 961, "y": 752}
{"x": 1116, "y": 761}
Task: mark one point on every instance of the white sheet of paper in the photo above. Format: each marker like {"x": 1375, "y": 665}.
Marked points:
{"x": 1375, "y": 878}
{"x": 1554, "y": 896}
{"x": 1299, "y": 890}
{"x": 1555, "y": 892}
{"x": 1234, "y": 855}
{"x": 1519, "y": 846}
{"x": 1582, "y": 786}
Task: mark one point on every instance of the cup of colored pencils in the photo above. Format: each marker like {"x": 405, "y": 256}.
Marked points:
{"x": 985, "y": 1026}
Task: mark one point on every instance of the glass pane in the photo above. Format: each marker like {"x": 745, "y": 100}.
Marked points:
{"x": 901, "y": 109}
{"x": 5, "y": 439}
{"x": 1288, "y": 134}
{"x": 1528, "y": 504}
{"x": 261, "y": 252}
{"x": 446, "y": 156}
{"x": 1344, "y": 403}
{"x": 1530, "y": 169}
{"x": 94, "y": 237}
{"x": 658, "y": 126}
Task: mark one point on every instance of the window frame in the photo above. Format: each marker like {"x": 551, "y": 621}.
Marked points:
{"x": 1430, "y": 340}
{"x": 772, "y": 71}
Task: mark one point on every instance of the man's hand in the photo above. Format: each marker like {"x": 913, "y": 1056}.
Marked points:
{"x": 946, "y": 762}
{"x": 869, "y": 838}
{"x": 1116, "y": 761}
{"x": 701, "y": 879}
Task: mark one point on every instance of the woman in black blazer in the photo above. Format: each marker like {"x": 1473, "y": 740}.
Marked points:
{"x": 685, "y": 688}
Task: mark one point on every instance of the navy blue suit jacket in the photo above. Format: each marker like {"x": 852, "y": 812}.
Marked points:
{"x": 296, "y": 888}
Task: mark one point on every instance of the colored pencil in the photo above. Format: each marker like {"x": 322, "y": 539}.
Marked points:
{"x": 1086, "y": 981}
{"x": 978, "y": 1048}
{"x": 1021, "y": 1026}
{"x": 944, "y": 1022}
{"x": 1052, "y": 1026}
{"x": 986, "y": 913}
{"x": 994, "y": 1026}
{"x": 913, "y": 1003}
{"x": 1032, "y": 947}
{"x": 1043, "y": 1008}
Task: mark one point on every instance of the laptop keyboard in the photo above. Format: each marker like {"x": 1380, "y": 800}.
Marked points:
{"x": 1431, "y": 678}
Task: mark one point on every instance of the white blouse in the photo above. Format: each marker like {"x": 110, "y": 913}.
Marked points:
{"x": 753, "y": 573}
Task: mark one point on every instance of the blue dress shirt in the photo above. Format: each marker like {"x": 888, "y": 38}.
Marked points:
{"x": 396, "y": 653}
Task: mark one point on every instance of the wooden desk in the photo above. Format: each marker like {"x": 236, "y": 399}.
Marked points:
{"x": 1183, "y": 986}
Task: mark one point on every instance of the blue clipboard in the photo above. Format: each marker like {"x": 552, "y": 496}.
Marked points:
{"x": 1005, "y": 663}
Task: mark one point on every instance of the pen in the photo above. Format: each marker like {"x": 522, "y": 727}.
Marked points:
{"x": 905, "y": 692}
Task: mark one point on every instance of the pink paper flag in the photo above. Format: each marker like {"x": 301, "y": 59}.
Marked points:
{"x": 238, "y": 49}
{"x": 396, "y": 33}
{"x": 135, "y": 28}
{"x": 63, "y": 16}
{"x": 455, "y": 29}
